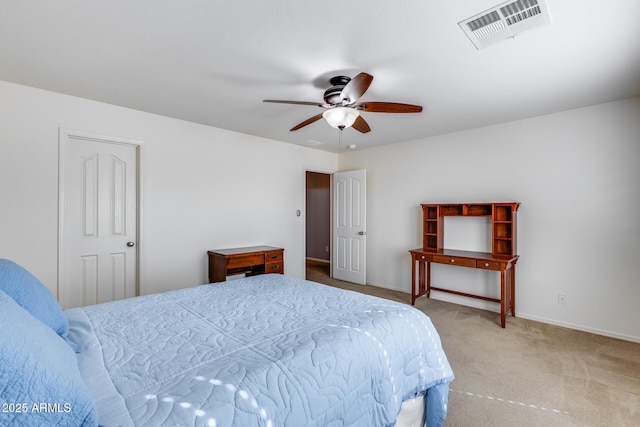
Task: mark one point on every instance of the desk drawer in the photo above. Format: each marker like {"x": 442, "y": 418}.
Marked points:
{"x": 274, "y": 267}
{"x": 245, "y": 260}
{"x": 273, "y": 256}
{"x": 488, "y": 265}
{"x": 454, "y": 260}
{"x": 423, "y": 257}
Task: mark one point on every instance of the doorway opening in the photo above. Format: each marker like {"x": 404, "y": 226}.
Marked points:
{"x": 318, "y": 226}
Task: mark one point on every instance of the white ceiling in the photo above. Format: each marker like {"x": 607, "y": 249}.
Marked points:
{"x": 214, "y": 61}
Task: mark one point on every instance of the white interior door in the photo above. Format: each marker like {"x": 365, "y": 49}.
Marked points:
{"x": 98, "y": 220}
{"x": 350, "y": 226}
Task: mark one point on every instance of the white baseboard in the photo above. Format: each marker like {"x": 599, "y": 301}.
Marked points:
{"x": 380, "y": 285}
{"x": 582, "y": 328}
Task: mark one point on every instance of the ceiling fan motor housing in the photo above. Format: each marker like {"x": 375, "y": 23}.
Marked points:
{"x": 332, "y": 95}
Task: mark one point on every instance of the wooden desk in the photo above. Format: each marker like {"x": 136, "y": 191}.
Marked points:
{"x": 250, "y": 260}
{"x": 505, "y": 264}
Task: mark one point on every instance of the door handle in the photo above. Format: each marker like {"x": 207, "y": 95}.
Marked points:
{"x": 131, "y": 244}
{"x": 362, "y": 233}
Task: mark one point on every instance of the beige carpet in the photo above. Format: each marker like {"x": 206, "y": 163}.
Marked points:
{"x": 528, "y": 374}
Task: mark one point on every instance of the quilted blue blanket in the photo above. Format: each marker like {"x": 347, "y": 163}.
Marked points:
{"x": 267, "y": 350}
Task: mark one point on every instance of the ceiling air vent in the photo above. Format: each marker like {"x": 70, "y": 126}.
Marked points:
{"x": 505, "y": 21}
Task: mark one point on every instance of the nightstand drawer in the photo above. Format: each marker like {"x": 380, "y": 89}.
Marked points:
{"x": 488, "y": 265}
{"x": 454, "y": 260}
{"x": 274, "y": 267}
{"x": 245, "y": 260}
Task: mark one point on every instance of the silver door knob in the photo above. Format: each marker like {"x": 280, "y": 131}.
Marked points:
{"x": 131, "y": 244}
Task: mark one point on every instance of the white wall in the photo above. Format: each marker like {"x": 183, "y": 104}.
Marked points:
{"x": 204, "y": 188}
{"x": 577, "y": 175}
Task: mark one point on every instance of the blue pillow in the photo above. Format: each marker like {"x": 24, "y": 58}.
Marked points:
{"x": 31, "y": 294}
{"x": 40, "y": 382}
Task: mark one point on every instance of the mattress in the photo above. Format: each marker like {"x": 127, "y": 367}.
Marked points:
{"x": 268, "y": 350}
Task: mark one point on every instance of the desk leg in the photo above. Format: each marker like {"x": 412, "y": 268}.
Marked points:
{"x": 424, "y": 284}
{"x": 428, "y": 290}
{"x": 420, "y": 278}
{"x": 503, "y": 297}
{"x": 513, "y": 290}
{"x": 413, "y": 280}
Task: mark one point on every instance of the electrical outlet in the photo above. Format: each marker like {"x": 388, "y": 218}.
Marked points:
{"x": 562, "y": 298}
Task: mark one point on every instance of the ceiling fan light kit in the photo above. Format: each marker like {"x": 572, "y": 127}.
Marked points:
{"x": 341, "y": 117}
{"x": 342, "y": 108}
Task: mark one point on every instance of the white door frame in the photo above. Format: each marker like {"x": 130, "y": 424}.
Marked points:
{"x": 65, "y": 135}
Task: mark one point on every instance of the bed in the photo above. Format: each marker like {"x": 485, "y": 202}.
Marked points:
{"x": 268, "y": 350}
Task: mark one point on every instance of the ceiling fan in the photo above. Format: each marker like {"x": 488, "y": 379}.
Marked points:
{"x": 342, "y": 108}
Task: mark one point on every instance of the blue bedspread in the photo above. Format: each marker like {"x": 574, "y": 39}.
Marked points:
{"x": 267, "y": 350}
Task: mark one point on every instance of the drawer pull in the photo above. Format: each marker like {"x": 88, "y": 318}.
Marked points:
{"x": 422, "y": 257}
{"x": 453, "y": 260}
{"x": 275, "y": 267}
{"x": 274, "y": 256}
{"x": 486, "y": 264}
